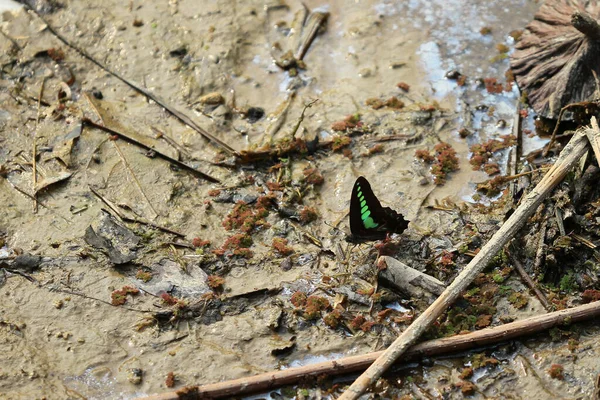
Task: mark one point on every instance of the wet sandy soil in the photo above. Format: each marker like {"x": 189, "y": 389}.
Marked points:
{"x": 59, "y": 344}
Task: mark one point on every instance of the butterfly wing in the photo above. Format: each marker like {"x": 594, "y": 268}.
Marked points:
{"x": 368, "y": 219}
{"x": 366, "y": 213}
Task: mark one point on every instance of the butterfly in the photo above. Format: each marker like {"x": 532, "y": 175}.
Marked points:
{"x": 368, "y": 219}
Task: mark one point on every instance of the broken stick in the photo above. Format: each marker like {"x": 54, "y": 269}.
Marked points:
{"x": 575, "y": 149}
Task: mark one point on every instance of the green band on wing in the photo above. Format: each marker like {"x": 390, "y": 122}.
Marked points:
{"x": 364, "y": 209}
{"x": 369, "y": 223}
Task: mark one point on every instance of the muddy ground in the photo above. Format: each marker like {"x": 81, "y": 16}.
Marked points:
{"x": 204, "y": 312}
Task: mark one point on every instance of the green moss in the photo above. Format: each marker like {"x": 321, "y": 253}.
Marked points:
{"x": 568, "y": 283}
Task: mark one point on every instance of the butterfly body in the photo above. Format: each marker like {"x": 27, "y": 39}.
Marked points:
{"x": 368, "y": 219}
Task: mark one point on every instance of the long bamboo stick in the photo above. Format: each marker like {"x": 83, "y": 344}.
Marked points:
{"x": 497, "y": 334}
{"x": 571, "y": 154}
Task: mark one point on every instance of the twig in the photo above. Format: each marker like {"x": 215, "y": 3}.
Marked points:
{"x": 388, "y": 138}
{"x": 539, "y": 254}
{"x": 315, "y": 20}
{"x": 85, "y": 296}
{"x": 560, "y": 114}
{"x": 125, "y": 218}
{"x": 135, "y": 179}
{"x": 488, "y": 336}
{"x": 528, "y": 280}
{"x": 34, "y": 147}
{"x": 33, "y": 198}
{"x": 170, "y": 108}
{"x": 576, "y": 147}
{"x": 125, "y": 137}
{"x": 279, "y": 117}
{"x": 301, "y": 118}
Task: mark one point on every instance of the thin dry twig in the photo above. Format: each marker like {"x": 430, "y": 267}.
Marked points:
{"x": 488, "y": 336}
{"x": 315, "y": 21}
{"x": 568, "y": 157}
{"x": 34, "y": 146}
{"x": 170, "y": 159}
{"x": 122, "y": 217}
{"x": 527, "y": 279}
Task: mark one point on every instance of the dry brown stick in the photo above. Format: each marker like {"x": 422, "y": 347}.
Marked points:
{"x": 315, "y": 20}
{"x": 125, "y": 218}
{"x": 539, "y": 254}
{"x": 170, "y": 159}
{"x": 571, "y": 154}
{"x": 34, "y": 147}
{"x": 170, "y": 108}
{"x": 484, "y": 337}
{"x": 525, "y": 276}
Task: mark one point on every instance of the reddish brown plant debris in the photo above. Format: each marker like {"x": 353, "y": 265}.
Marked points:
{"x": 347, "y": 153}
{"x": 298, "y": 299}
{"x": 314, "y": 306}
{"x": 493, "y": 86}
{"x": 143, "y": 276}
{"x": 403, "y": 86}
{"x": 308, "y": 214}
{"x": 484, "y": 321}
{"x": 357, "y": 322}
{"x": 119, "y": 297}
{"x": 237, "y": 245}
{"x": 466, "y": 373}
{"x": 197, "y": 242}
{"x": 387, "y": 247}
{"x": 382, "y": 315}
{"x": 313, "y": 176}
{"x": 214, "y": 192}
{"x": 267, "y": 200}
{"x": 483, "y": 152}
{"x": 444, "y": 161}
{"x": 464, "y": 132}
{"x": 168, "y": 299}
{"x": 493, "y": 186}
{"x": 339, "y": 142}
{"x": 367, "y": 326}
{"x": 245, "y": 218}
{"x": 215, "y": 282}
{"x": 350, "y": 122}
{"x": 274, "y": 186}
{"x": 375, "y": 103}
{"x": 491, "y": 168}
{"x": 280, "y": 245}
{"x": 366, "y": 292}
{"x": 590, "y": 295}
{"x": 429, "y": 107}
{"x": 378, "y": 148}
{"x": 502, "y": 48}
{"x": 333, "y": 319}
{"x": 170, "y": 381}
{"x": 394, "y": 102}
{"x": 56, "y": 54}
{"x": 467, "y": 388}
{"x": 556, "y": 371}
